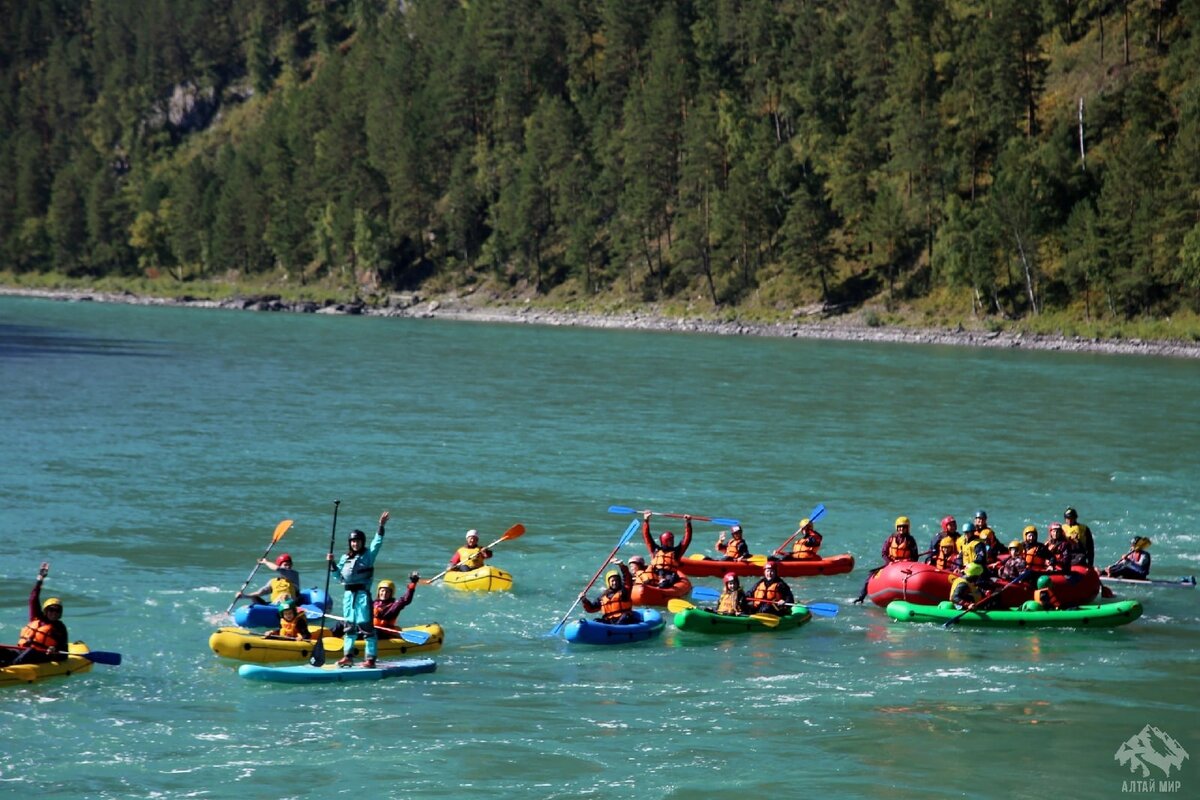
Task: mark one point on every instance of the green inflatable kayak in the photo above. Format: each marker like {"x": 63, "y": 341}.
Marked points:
{"x": 700, "y": 620}
{"x": 1106, "y": 616}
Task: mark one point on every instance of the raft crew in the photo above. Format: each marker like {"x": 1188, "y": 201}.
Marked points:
{"x": 991, "y": 545}
{"x": 807, "y": 545}
{"x": 285, "y": 584}
{"x": 293, "y": 622}
{"x": 470, "y": 556}
{"x": 1135, "y": 564}
{"x": 733, "y": 601}
{"x": 900, "y": 546}
{"x": 1058, "y": 548}
{"x": 1080, "y": 536}
{"x": 355, "y": 570}
{"x": 949, "y": 529}
{"x": 44, "y": 637}
{"x": 736, "y": 549}
{"x": 970, "y": 547}
{"x": 1037, "y": 555}
{"x": 771, "y": 595}
{"x": 967, "y": 592}
{"x": 641, "y": 574}
{"x": 946, "y": 558}
{"x": 387, "y": 606}
{"x": 616, "y": 601}
{"x": 1044, "y": 596}
{"x": 665, "y": 555}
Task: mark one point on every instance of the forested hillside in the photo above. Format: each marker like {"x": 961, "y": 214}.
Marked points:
{"x": 1019, "y": 155}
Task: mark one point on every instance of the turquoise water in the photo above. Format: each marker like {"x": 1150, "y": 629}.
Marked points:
{"x": 148, "y": 454}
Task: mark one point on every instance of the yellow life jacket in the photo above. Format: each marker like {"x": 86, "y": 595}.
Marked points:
{"x": 470, "y": 557}
{"x": 730, "y": 602}
{"x": 1076, "y": 533}
{"x": 974, "y": 590}
{"x": 972, "y": 552}
{"x": 282, "y": 588}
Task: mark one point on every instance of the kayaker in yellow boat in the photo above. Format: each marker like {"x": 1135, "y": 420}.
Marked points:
{"x": 807, "y": 545}
{"x": 470, "y": 556}
{"x": 1135, "y": 564}
{"x": 736, "y": 549}
{"x": 387, "y": 607}
{"x": 771, "y": 595}
{"x": 733, "y": 600}
{"x": 44, "y": 638}
{"x": 1079, "y": 535}
{"x": 285, "y": 584}
{"x": 293, "y": 623}
{"x": 665, "y": 555}
{"x": 616, "y": 601}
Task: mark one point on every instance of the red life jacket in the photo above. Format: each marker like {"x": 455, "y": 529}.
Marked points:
{"x": 39, "y": 635}
{"x": 613, "y": 605}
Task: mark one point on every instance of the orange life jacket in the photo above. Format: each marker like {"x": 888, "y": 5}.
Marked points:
{"x": 806, "y": 546}
{"x": 1047, "y": 598}
{"x": 1034, "y": 559}
{"x": 664, "y": 561}
{"x": 947, "y": 561}
{"x": 289, "y": 629}
{"x": 767, "y": 592}
{"x": 39, "y": 635}
{"x": 615, "y": 604}
{"x": 901, "y": 550}
{"x": 733, "y": 549}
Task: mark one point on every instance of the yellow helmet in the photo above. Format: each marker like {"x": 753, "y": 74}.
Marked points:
{"x": 1028, "y": 529}
{"x": 1014, "y": 544}
{"x": 612, "y": 573}
{"x": 901, "y": 521}
{"x": 947, "y": 541}
{"x": 52, "y": 601}
{"x": 804, "y": 523}
{"x": 385, "y": 583}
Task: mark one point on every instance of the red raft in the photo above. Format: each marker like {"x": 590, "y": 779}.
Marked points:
{"x": 926, "y": 585}
{"x": 704, "y": 567}
{"x": 646, "y": 595}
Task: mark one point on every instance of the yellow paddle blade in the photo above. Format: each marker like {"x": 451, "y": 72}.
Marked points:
{"x": 675, "y": 605}
{"x": 770, "y": 620}
{"x": 761, "y": 560}
{"x": 280, "y": 530}
{"x": 697, "y": 556}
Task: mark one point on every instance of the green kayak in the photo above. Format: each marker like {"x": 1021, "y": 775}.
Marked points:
{"x": 1105, "y": 616}
{"x": 700, "y": 620}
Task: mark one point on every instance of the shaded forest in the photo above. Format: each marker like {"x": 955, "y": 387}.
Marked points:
{"x": 1025, "y": 155}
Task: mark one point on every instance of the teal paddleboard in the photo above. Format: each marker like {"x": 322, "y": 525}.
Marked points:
{"x": 331, "y": 673}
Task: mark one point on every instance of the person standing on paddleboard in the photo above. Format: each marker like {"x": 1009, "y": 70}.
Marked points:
{"x": 355, "y": 570}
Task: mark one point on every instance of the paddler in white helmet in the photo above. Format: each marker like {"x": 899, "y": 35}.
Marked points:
{"x": 470, "y": 556}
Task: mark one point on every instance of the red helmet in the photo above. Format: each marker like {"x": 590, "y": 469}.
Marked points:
{"x": 282, "y": 558}
{"x": 948, "y": 523}
{"x": 666, "y": 539}
{"x": 730, "y": 576}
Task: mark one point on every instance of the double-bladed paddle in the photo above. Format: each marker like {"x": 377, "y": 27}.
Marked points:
{"x": 412, "y": 637}
{"x": 715, "y": 520}
{"x": 675, "y": 605}
{"x": 625, "y": 537}
{"x": 512, "y": 533}
{"x": 280, "y": 530}
{"x": 706, "y": 595}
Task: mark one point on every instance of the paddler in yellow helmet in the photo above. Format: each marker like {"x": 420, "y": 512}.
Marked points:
{"x": 387, "y": 607}
{"x": 1134, "y": 565}
{"x": 900, "y": 546}
{"x": 807, "y": 545}
{"x": 967, "y": 591}
{"x": 616, "y": 601}
{"x": 470, "y": 556}
{"x": 44, "y": 638}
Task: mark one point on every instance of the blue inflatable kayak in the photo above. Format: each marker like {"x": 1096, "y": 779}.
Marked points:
{"x": 586, "y": 631}
{"x": 331, "y": 673}
{"x": 313, "y": 601}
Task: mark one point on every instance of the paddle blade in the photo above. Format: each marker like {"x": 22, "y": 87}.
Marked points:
{"x": 280, "y": 530}
{"x": 514, "y": 532}
{"x": 628, "y": 534}
{"x": 770, "y": 620}
{"x": 729, "y": 523}
{"x": 415, "y": 637}
{"x": 317, "y": 659}
{"x": 621, "y": 510}
{"x": 704, "y": 593}
{"x": 759, "y": 559}
{"x": 103, "y": 657}
{"x": 677, "y": 604}
{"x": 817, "y": 512}
{"x": 822, "y": 609}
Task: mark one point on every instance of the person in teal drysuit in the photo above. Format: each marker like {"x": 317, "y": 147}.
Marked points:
{"x": 355, "y": 570}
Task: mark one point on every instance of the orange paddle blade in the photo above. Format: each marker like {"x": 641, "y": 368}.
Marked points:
{"x": 280, "y": 530}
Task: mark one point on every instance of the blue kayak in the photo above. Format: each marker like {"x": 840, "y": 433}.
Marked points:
{"x": 586, "y": 631}
{"x": 331, "y": 673}
{"x": 313, "y": 601}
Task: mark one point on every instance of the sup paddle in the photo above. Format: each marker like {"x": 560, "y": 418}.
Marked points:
{"x": 412, "y": 637}
{"x": 512, "y": 533}
{"x": 813, "y": 516}
{"x": 706, "y": 595}
{"x": 280, "y": 530}
{"x": 625, "y": 537}
{"x": 317, "y": 659}
{"x": 715, "y": 520}
{"x": 676, "y": 604}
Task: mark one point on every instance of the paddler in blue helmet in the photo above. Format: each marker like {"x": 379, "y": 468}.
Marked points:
{"x": 355, "y": 570}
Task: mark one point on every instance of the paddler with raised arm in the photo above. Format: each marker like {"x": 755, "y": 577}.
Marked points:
{"x": 616, "y": 601}
{"x": 355, "y": 570}
{"x": 44, "y": 638}
{"x": 665, "y": 555}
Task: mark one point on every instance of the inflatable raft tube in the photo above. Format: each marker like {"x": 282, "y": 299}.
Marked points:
{"x": 331, "y": 673}
{"x": 586, "y": 631}
{"x": 1105, "y": 616}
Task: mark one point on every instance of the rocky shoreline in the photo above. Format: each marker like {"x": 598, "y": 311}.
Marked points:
{"x": 414, "y": 306}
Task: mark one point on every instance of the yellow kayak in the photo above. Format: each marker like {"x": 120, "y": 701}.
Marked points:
{"x": 244, "y": 645}
{"x": 485, "y": 579}
{"x": 28, "y": 673}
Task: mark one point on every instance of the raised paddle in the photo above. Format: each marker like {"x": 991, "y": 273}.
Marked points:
{"x": 862, "y": 595}
{"x": 412, "y": 637}
{"x": 814, "y": 515}
{"x": 317, "y": 659}
{"x": 625, "y": 537}
{"x": 512, "y": 533}
{"x": 677, "y": 604}
{"x": 705, "y": 594}
{"x": 280, "y": 530}
{"x": 715, "y": 520}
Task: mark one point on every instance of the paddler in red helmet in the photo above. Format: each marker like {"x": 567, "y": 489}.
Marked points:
{"x": 733, "y": 600}
{"x": 665, "y": 555}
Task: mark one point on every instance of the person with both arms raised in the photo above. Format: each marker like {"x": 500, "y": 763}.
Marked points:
{"x": 771, "y": 595}
{"x": 665, "y": 555}
{"x": 355, "y": 571}
{"x": 616, "y": 601}
{"x": 44, "y": 638}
